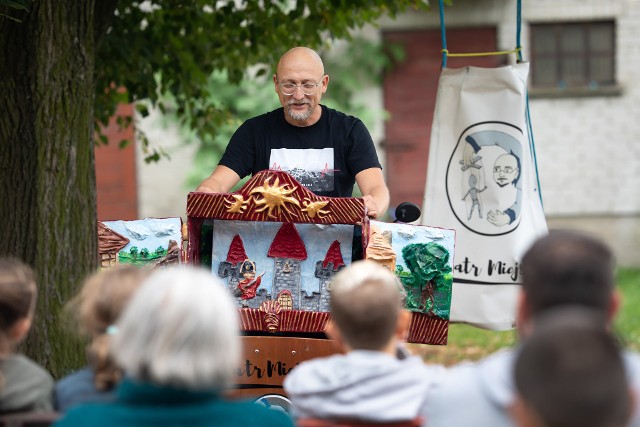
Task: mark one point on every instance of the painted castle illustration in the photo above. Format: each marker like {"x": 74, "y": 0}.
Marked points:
{"x": 288, "y": 252}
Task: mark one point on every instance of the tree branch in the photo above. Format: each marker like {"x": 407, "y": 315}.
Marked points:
{"x": 103, "y": 17}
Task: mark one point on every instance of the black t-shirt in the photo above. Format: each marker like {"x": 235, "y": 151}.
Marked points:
{"x": 324, "y": 157}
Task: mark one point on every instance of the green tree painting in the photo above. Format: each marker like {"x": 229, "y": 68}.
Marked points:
{"x": 429, "y": 279}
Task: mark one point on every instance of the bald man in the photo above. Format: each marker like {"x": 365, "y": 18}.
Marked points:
{"x": 326, "y": 150}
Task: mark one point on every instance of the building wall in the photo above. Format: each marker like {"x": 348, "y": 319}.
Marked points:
{"x": 116, "y": 178}
{"x": 589, "y": 148}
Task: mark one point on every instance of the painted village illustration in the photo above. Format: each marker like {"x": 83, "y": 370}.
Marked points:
{"x": 277, "y": 246}
{"x": 149, "y": 242}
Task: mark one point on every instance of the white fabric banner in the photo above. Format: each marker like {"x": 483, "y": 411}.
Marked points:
{"x": 482, "y": 182}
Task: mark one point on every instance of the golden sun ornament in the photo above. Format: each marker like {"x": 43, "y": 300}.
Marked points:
{"x": 274, "y": 196}
{"x": 237, "y": 205}
{"x": 315, "y": 208}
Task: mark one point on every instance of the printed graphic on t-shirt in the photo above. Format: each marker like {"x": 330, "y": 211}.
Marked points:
{"x": 313, "y": 168}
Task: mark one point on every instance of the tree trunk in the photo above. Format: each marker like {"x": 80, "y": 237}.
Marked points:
{"x": 47, "y": 177}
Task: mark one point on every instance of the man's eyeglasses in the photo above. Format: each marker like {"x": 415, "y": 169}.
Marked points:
{"x": 308, "y": 88}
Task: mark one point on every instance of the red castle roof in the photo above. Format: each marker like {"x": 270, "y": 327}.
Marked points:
{"x": 288, "y": 244}
{"x": 334, "y": 255}
{"x": 236, "y": 252}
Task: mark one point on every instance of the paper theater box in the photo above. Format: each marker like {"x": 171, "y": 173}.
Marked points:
{"x": 277, "y": 246}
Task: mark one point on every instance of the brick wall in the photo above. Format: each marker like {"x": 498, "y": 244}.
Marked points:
{"x": 116, "y": 179}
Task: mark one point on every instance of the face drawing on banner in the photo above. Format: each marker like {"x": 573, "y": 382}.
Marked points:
{"x": 487, "y": 176}
{"x": 506, "y": 171}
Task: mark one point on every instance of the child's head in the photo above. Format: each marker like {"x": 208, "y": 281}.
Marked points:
{"x": 366, "y": 306}
{"x": 103, "y": 297}
{"x": 570, "y": 373}
{"x": 97, "y": 307}
{"x": 17, "y": 302}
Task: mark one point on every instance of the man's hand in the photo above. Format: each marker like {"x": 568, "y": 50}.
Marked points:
{"x": 202, "y": 188}
{"x": 372, "y": 207}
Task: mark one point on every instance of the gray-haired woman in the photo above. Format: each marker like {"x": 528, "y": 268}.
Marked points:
{"x": 178, "y": 344}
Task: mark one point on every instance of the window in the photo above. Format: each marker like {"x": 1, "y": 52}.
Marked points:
{"x": 573, "y": 55}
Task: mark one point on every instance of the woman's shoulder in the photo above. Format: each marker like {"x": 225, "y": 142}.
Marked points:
{"x": 27, "y": 385}
{"x": 18, "y": 365}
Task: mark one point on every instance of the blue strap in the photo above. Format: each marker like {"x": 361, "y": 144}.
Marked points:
{"x": 532, "y": 147}
{"x": 532, "y": 144}
{"x": 519, "y": 31}
{"x": 443, "y": 35}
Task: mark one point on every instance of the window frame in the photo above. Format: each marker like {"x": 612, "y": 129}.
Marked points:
{"x": 564, "y": 81}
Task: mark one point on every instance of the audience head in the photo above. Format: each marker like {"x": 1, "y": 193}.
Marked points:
{"x": 567, "y": 268}
{"x": 570, "y": 373}
{"x": 17, "y": 302}
{"x": 181, "y": 330}
{"x": 97, "y": 307}
{"x": 366, "y": 307}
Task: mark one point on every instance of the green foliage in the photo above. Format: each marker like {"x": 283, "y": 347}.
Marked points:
{"x": 141, "y": 258}
{"x": 12, "y": 4}
{"x": 15, "y": 4}
{"x": 627, "y": 324}
{"x": 167, "y": 47}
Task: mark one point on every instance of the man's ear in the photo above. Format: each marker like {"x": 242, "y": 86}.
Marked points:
{"x": 19, "y": 330}
{"x": 402, "y": 326}
{"x": 334, "y": 334}
{"x": 614, "y": 306}
{"x": 523, "y": 415}
{"x": 275, "y": 83}
{"x": 523, "y": 314}
{"x": 325, "y": 82}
